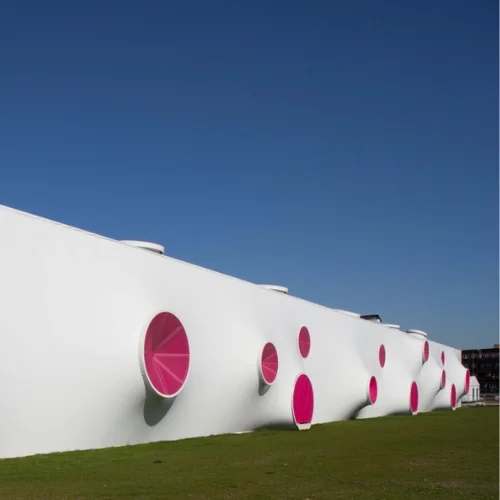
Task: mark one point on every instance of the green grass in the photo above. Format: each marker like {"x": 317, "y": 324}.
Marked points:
{"x": 442, "y": 455}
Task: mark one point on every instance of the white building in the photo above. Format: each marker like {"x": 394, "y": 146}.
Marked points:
{"x": 108, "y": 343}
{"x": 474, "y": 393}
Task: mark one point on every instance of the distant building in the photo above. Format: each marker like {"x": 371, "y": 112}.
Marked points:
{"x": 483, "y": 364}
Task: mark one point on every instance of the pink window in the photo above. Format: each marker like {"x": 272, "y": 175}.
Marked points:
{"x": 269, "y": 363}
{"x": 414, "y": 398}
{"x": 425, "y": 354}
{"x": 303, "y": 400}
{"x": 453, "y": 396}
{"x": 304, "y": 342}
{"x": 166, "y": 355}
{"x": 373, "y": 390}
{"x": 381, "y": 355}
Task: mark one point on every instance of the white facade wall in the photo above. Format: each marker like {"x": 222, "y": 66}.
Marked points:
{"x": 75, "y": 310}
{"x": 474, "y": 393}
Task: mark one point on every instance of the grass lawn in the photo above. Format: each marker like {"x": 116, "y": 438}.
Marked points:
{"x": 445, "y": 455}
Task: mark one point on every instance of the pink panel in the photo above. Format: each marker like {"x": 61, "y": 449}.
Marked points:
{"x": 425, "y": 353}
{"x": 442, "y": 357}
{"x": 443, "y": 379}
{"x": 467, "y": 381}
{"x": 381, "y": 355}
{"x": 414, "y": 397}
{"x": 166, "y": 354}
{"x": 373, "y": 390}
{"x": 453, "y": 396}
{"x": 303, "y": 400}
{"x": 269, "y": 363}
{"x": 304, "y": 342}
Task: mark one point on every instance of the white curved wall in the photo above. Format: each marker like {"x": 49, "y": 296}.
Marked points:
{"x": 75, "y": 309}
{"x": 474, "y": 393}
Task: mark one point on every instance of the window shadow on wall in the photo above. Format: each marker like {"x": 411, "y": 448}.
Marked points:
{"x": 156, "y": 408}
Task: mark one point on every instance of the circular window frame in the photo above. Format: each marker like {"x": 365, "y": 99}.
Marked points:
{"x": 144, "y": 364}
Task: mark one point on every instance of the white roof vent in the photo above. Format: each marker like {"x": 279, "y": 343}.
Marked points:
{"x": 417, "y": 332}
{"x": 146, "y": 245}
{"x": 276, "y": 288}
{"x": 394, "y": 327}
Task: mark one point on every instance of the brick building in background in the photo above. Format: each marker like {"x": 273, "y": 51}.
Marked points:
{"x": 483, "y": 363}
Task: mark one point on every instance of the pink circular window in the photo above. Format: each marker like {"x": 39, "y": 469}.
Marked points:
{"x": 304, "y": 342}
{"x": 373, "y": 390}
{"x": 425, "y": 353}
{"x": 381, "y": 355}
{"x": 269, "y": 363}
{"x": 166, "y": 355}
{"x": 442, "y": 357}
{"x": 303, "y": 400}
{"x": 443, "y": 379}
{"x": 414, "y": 397}
{"x": 467, "y": 381}
{"x": 453, "y": 396}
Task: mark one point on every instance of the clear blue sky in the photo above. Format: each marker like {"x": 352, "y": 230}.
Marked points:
{"x": 347, "y": 150}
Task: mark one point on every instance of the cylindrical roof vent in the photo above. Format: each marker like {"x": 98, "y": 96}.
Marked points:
{"x": 146, "y": 245}
{"x": 276, "y": 288}
{"x": 417, "y": 332}
{"x": 394, "y": 327}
